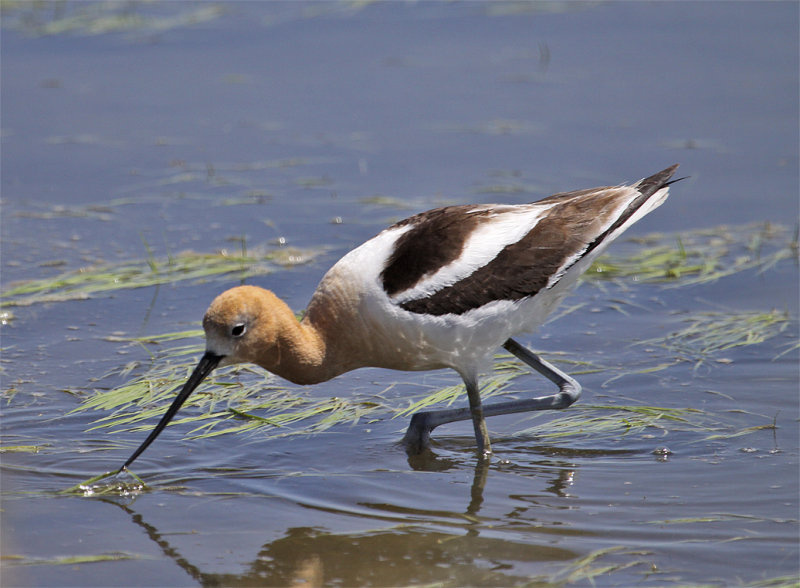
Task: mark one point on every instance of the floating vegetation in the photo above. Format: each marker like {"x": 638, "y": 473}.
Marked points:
{"x": 313, "y": 181}
{"x": 507, "y": 182}
{"x": 707, "y": 334}
{"x": 236, "y": 399}
{"x": 99, "y": 18}
{"x": 595, "y": 421}
{"x": 744, "y": 431}
{"x": 778, "y": 582}
{"x": 703, "y": 336}
{"x": 701, "y": 256}
{"x": 22, "y": 448}
{"x": 794, "y": 346}
{"x": 70, "y": 560}
{"x": 117, "y": 486}
{"x": 585, "y": 569}
{"x": 596, "y": 565}
{"x": 82, "y": 139}
{"x": 719, "y": 517}
{"x": 320, "y": 416}
{"x": 188, "y": 266}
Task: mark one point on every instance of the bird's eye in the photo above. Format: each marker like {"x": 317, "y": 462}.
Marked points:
{"x": 238, "y": 330}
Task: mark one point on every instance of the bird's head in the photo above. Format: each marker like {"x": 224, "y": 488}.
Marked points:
{"x": 241, "y": 325}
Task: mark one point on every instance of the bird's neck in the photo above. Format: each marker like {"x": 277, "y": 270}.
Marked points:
{"x": 299, "y": 351}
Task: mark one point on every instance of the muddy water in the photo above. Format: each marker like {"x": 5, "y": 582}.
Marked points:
{"x": 150, "y": 129}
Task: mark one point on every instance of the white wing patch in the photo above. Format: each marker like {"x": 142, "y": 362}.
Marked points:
{"x": 506, "y": 226}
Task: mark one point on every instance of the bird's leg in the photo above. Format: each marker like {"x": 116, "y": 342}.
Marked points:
{"x": 476, "y": 412}
{"x": 569, "y": 388}
{"x": 418, "y": 436}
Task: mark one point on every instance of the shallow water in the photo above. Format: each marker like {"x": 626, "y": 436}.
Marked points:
{"x": 185, "y": 127}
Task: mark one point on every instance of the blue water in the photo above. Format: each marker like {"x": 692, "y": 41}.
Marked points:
{"x": 299, "y": 113}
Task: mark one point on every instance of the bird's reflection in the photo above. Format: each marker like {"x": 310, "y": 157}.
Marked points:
{"x": 402, "y": 553}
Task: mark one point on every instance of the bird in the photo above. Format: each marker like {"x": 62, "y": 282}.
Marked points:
{"x": 444, "y": 288}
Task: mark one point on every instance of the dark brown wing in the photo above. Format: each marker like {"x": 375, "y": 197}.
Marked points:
{"x": 573, "y": 225}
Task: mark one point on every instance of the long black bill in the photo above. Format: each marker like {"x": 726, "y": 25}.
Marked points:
{"x": 204, "y": 367}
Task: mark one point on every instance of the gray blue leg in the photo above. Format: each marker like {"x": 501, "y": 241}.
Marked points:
{"x": 418, "y": 435}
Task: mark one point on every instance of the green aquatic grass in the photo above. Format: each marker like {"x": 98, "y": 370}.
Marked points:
{"x": 69, "y": 560}
{"x": 592, "y": 566}
{"x": 778, "y": 582}
{"x": 320, "y": 416}
{"x": 22, "y": 448}
{"x": 742, "y": 432}
{"x": 702, "y": 338}
{"x": 114, "y": 485}
{"x": 586, "y": 568}
{"x": 100, "y": 18}
{"x": 599, "y": 565}
{"x": 700, "y": 256}
{"x": 223, "y": 407}
{"x": 596, "y": 421}
{"x": 719, "y": 517}
{"x": 193, "y": 267}
{"x": 235, "y": 399}
{"x": 505, "y": 369}
{"x": 705, "y": 335}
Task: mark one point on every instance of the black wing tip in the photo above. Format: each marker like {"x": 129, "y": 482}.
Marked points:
{"x": 654, "y": 183}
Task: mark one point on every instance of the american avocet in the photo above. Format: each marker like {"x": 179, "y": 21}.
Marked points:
{"x": 441, "y": 289}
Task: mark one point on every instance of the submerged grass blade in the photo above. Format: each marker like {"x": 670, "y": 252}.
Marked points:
{"x": 586, "y": 569}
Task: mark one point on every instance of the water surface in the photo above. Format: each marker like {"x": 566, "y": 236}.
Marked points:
{"x": 152, "y": 129}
